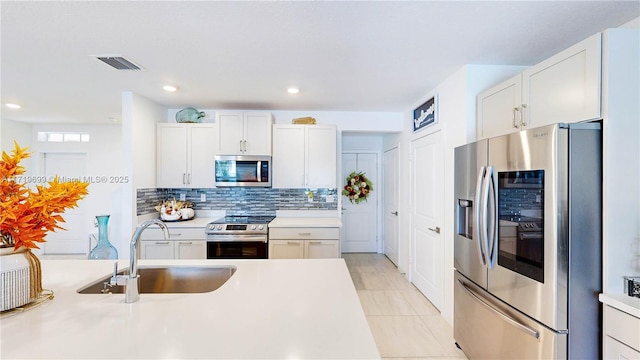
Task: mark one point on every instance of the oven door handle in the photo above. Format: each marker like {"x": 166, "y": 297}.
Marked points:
{"x": 237, "y": 238}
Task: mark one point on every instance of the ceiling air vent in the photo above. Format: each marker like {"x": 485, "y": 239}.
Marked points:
{"x": 118, "y": 62}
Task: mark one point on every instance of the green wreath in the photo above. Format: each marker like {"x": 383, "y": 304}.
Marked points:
{"x": 357, "y": 188}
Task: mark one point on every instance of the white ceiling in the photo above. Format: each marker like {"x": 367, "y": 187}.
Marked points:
{"x": 343, "y": 55}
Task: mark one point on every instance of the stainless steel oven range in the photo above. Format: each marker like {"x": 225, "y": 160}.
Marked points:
{"x": 238, "y": 237}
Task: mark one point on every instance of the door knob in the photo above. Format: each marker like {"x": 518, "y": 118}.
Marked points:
{"x": 394, "y": 213}
{"x": 436, "y": 230}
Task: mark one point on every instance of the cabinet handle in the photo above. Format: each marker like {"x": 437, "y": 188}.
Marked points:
{"x": 175, "y": 234}
{"x": 241, "y": 146}
{"x": 245, "y": 145}
{"x": 305, "y": 234}
{"x": 293, "y": 242}
{"x": 184, "y": 178}
{"x": 186, "y": 242}
{"x": 522, "y": 118}
{"x": 515, "y": 110}
{"x": 315, "y": 242}
{"x": 162, "y": 243}
{"x": 394, "y": 213}
{"x": 436, "y": 230}
{"x": 188, "y": 178}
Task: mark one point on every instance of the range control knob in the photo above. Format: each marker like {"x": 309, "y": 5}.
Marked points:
{"x": 253, "y": 227}
{"x": 260, "y": 227}
{"x": 219, "y": 227}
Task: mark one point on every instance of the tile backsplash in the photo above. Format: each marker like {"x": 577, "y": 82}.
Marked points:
{"x": 240, "y": 201}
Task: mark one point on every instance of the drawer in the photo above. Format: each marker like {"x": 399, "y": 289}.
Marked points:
{"x": 622, "y": 327}
{"x": 304, "y": 233}
{"x": 614, "y": 349}
{"x": 177, "y": 233}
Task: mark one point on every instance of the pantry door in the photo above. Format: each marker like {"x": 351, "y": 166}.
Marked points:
{"x": 75, "y": 239}
{"x": 427, "y": 250}
{"x": 359, "y": 221}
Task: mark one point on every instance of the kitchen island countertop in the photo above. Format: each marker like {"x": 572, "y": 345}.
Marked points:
{"x": 275, "y": 309}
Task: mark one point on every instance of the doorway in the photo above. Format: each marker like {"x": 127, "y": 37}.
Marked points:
{"x": 426, "y": 263}
{"x": 391, "y": 195}
{"x": 359, "y": 220}
{"x": 73, "y": 240}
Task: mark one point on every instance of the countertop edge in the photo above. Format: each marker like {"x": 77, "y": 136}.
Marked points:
{"x": 622, "y": 302}
{"x": 288, "y": 222}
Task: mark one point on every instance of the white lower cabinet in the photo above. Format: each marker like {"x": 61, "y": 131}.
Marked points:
{"x": 621, "y": 334}
{"x": 286, "y": 249}
{"x": 304, "y": 243}
{"x": 183, "y": 243}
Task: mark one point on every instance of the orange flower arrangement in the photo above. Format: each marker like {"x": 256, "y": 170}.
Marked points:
{"x": 26, "y": 215}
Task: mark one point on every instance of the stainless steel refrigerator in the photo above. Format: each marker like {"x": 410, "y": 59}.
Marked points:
{"x": 528, "y": 244}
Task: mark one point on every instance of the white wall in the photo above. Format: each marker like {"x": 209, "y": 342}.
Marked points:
{"x": 621, "y": 133}
{"x": 349, "y": 121}
{"x": 13, "y": 130}
{"x": 139, "y": 118}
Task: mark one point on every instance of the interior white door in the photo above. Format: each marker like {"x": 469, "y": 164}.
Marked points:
{"x": 359, "y": 221}
{"x": 391, "y": 195}
{"x": 426, "y": 217}
{"x": 74, "y": 239}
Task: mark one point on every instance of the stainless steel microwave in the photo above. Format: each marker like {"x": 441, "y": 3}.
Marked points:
{"x": 242, "y": 170}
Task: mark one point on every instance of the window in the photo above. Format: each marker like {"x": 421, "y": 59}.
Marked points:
{"x": 63, "y": 136}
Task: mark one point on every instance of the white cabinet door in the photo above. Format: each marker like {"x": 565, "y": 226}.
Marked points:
{"x": 171, "y": 155}
{"x": 321, "y": 249}
{"x": 190, "y": 249}
{"x": 286, "y": 249}
{"x": 288, "y": 157}
{"x": 185, "y": 155}
{"x": 304, "y": 156}
{"x": 321, "y": 156}
{"x": 231, "y": 133}
{"x": 153, "y": 249}
{"x": 499, "y": 108}
{"x": 257, "y": 133}
{"x": 244, "y": 133}
{"x": 202, "y": 152}
{"x": 565, "y": 87}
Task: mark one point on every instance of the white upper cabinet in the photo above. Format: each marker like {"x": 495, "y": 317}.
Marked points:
{"x": 304, "y": 156}
{"x": 499, "y": 107}
{"x": 244, "y": 133}
{"x": 185, "y": 155}
{"x": 564, "y": 88}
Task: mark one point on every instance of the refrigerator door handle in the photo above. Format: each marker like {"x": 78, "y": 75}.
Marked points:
{"x": 522, "y": 327}
{"x": 485, "y": 209}
{"x": 477, "y": 229}
{"x": 492, "y": 240}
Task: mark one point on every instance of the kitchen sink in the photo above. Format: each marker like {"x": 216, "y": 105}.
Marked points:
{"x": 168, "y": 279}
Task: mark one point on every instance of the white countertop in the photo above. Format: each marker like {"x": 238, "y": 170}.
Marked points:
{"x": 305, "y": 222}
{"x": 622, "y": 302}
{"x": 278, "y": 309}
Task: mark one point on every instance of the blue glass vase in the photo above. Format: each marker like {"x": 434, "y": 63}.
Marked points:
{"x": 103, "y": 249}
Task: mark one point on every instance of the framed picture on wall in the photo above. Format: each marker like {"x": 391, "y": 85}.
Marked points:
{"x": 425, "y": 114}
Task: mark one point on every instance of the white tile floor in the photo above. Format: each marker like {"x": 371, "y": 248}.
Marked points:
{"x": 405, "y": 325}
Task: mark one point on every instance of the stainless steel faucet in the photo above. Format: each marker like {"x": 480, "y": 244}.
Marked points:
{"x": 130, "y": 282}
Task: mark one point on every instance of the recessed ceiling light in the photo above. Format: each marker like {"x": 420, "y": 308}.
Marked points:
{"x": 12, "y": 106}
{"x": 293, "y": 90}
{"x": 170, "y": 88}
